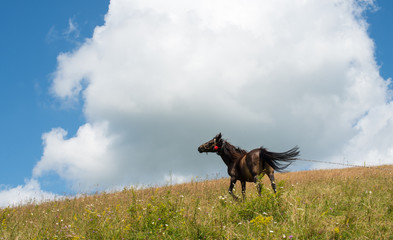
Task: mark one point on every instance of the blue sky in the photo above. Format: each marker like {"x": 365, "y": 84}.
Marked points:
{"x": 34, "y": 34}
{"x": 380, "y": 32}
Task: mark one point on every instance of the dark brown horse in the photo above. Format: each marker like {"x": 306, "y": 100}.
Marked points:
{"x": 249, "y": 166}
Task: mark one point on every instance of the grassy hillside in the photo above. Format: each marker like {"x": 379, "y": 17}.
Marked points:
{"x": 354, "y": 203}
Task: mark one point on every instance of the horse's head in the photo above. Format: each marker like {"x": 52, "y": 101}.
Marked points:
{"x": 213, "y": 145}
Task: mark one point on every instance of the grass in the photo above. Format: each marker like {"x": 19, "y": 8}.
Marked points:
{"x": 353, "y": 203}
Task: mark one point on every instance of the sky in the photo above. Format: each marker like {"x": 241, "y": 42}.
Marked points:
{"x": 102, "y": 95}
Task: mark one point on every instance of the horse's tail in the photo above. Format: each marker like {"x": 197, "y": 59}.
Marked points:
{"x": 279, "y": 161}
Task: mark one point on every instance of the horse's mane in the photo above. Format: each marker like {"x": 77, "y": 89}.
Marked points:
{"x": 234, "y": 152}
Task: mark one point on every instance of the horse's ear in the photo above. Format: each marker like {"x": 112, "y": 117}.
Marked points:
{"x": 218, "y": 137}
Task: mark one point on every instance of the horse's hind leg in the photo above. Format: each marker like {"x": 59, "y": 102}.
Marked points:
{"x": 257, "y": 182}
{"x": 271, "y": 177}
{"x": 243, "y": 189}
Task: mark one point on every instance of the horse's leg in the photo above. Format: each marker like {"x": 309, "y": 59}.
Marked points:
{"x": 243, "y": 189}
{"x": 231, "y": 186}
{"x": 257, "y": 182}
{"x": 271, "y": 177}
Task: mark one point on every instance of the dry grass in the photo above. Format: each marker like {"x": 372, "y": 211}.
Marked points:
{"x": 353, "y": 203}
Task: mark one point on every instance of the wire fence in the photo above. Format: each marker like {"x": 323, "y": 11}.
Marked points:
{"x": 347, "y": 164}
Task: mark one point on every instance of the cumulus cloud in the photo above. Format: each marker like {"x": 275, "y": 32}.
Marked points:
{"x": 28, "y": 193}
{"x": 159, "y": 78}
{"x": 85, "y": 158}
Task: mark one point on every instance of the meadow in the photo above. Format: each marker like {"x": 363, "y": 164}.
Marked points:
{"x": 351, "y": 203}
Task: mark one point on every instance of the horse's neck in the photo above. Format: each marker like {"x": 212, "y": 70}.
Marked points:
{"x": 229, "y": 154}
{"x": 227, "y": 160}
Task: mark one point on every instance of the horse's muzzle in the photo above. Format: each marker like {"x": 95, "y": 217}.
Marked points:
{"x": 202, "y": 149}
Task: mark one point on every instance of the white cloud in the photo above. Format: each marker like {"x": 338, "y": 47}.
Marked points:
{"x": 83, "y": 159}
{"x": 30, "y": 192}
{"x": 166, "y": 76}
{"x": 70, "y": 34}
{"x": 373, "y": 143}
{"x": 176, "y": 179}
{"x": 72, "y": 28}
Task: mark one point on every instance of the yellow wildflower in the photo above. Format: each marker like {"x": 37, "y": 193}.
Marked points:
{"x": 261, "y": 220}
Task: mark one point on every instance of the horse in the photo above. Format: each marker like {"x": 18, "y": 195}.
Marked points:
{"x": 249, "y": 166}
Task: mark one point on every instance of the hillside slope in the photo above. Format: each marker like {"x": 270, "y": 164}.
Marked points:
{"x": 352, "y": 203}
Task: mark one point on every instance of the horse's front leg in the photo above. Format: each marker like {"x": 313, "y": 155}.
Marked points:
{"x": 243, "y": 189}
{"x": 257, "y": 182}
{"x": 231, "y": 186}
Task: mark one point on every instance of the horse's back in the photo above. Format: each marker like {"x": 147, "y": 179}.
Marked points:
{"x": 244, "y": 170}
{"x": 253, "y": 163}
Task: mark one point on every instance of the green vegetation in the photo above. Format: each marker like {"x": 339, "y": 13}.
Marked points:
{"x": 353, "y": 203}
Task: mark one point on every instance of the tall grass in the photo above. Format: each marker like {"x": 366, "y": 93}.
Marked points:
{"x": 353, "y": 203}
